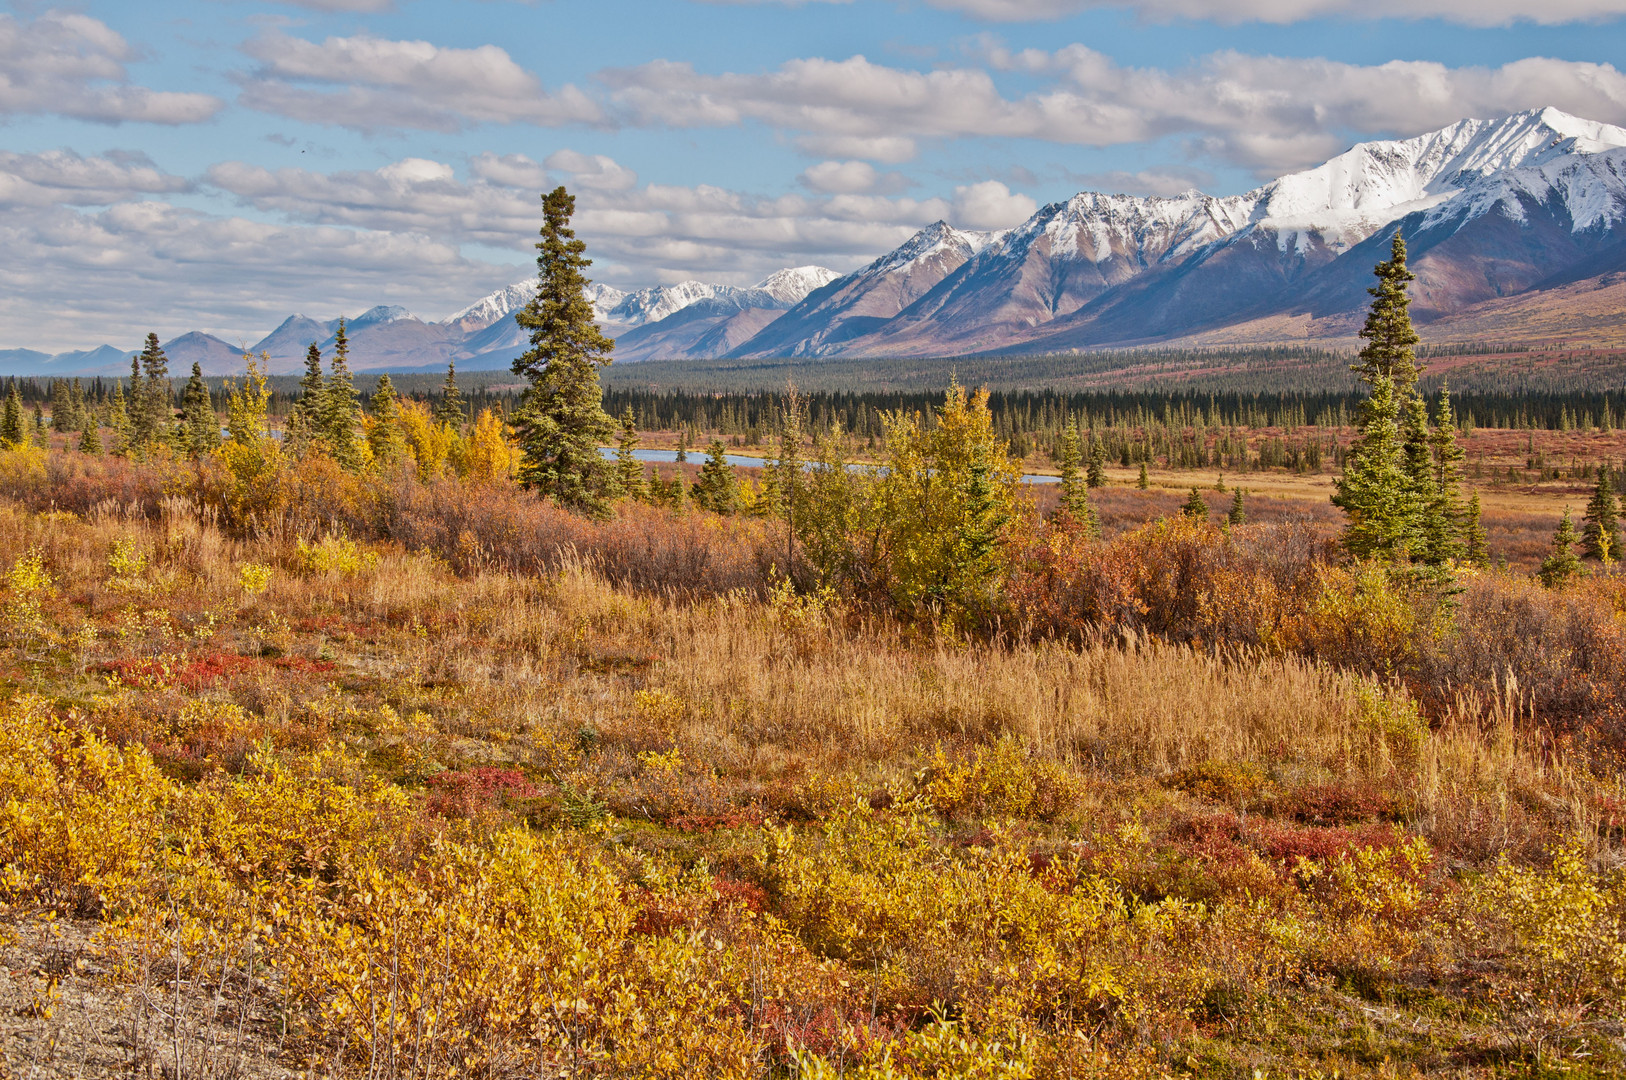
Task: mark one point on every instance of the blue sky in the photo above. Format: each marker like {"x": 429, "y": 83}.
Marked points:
{"x": 219, "y": 164}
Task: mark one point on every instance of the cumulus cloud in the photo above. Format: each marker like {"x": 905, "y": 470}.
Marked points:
{"x": 1267, "y": 113}
{"x": 594, "y": 171}
{"x": 637, "y": 233}
{"x": 63, "y": 64}
{"x": 413, "y": 195}
{"x": 840, "y": 176}
{"x": 509, "y": 170}
{"x": 991, "y": 205}
{"x": 62, "y": 177}
{"x": 1469, "y": 12}
{"x": 111, "y": 275}
{"x": 371, "y": 84}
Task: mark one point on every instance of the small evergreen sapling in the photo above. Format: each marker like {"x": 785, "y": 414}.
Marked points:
{"x": 1473, "y": 535}
{"x": 450, "y": 409}
{"x": 1143, "y": 482}
{"x": 13, "y": 428}
{"x": 1195, "y": 508}
{"x": 1236, "y": 515}
{"x": 1097, "y": 472}
{"x": 1562, "y": 566}
{"x": 1600, "y": 533}
{"x": 715, "y": 489}
{"x": 384, "y": 436}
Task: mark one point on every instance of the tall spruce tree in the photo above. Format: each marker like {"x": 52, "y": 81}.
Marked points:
{"x": 305, "y": 418}
{"x": 1600, "y": 533}
{"x": 149, "y": 405}
{"x": 1389, "y": 334}
{"x": 76, "y": 401}
{"x": 341, "y": 407}
{"x": 1376, "y": 491}
{"x": 562, "y": 421}
{"x": 1237, "y": 515}
{"x": 450, "y": 409}
{"x": 199, "y": 422}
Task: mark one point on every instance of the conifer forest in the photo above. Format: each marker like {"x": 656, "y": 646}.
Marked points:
{"x": 585, "y": 721}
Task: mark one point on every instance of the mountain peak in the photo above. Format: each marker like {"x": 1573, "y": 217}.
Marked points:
{"x": 383, "y": 313}
{"x": 791, "y": 285}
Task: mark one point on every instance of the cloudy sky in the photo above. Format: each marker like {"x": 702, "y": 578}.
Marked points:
{"x": 219, "y": 164}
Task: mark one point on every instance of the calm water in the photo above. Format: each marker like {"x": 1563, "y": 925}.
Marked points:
{"x": 667, "y": 457}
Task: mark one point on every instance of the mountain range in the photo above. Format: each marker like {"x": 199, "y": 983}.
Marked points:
{"x": 1510, "y": 222}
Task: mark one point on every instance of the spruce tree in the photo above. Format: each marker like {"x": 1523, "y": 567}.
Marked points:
{"x": 90, "y": 439}
{"x": 1072, "y": 484}
{"x": 1600, "y": 533}
{"x": 118, "y": 418}
{"x": 1236, "y": 515}
{"x": 1143, "y": 483}
{"x": 450, "y": 409}
{"x": 1447, "y": 538}
{"x": 1473, "y": 535}
{"x": 150, "y": 411}
{"x": 76, "y": 402}
{"x": 1195, "y": 508}
{"x": 13, "y": 427}
{"x": 1561, "y": 567}
{"x": 562, "y": 421}
{"x": 198, "y": 419}
{"x": 304, "y": 421}
{"x": 629, "y": 470}
{"x": 1388, "y": 330}
{"x": 1075, "y": 498}
{"x": 341, "y": 407}
{"x": 715, "y": 488}
{"x": 61, "y": 407}
{"x": 1096, "y": 474}
{"x": 41, "y": 433}
{"x": 1376, "y": 490}
{"x": 384, "y": 435}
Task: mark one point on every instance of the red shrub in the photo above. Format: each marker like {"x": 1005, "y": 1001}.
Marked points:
{"x": 466, "y": 793}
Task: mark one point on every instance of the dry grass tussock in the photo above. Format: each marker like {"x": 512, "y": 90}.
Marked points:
{"x": 374, "y": 811}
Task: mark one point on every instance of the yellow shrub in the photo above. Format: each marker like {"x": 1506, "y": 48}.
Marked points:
{"x": 80, "y": 819}
{"x": 27, "y": 583}
{"x": 335, "y": 555}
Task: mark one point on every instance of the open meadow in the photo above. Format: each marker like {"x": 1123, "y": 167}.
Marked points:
{"x": 407, "y": 772}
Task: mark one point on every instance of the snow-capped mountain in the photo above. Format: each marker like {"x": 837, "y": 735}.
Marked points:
{"x": 1493, "y": 211}
{"x": 1489, "y": 207}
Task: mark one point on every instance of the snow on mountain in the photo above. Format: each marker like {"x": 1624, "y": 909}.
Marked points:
{"x": 1356, "y": 193}
{"x": 659, "y": 301}
{"x": 383, "y": 313}
{"x": 791, "y": 286}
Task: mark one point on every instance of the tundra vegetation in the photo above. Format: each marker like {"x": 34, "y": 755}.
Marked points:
{"x": 403, "y": 747}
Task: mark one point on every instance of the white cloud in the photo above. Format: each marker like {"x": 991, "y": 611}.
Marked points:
{"x": 510, "y": 170}
{"x": 413, "y": 195}
{"x": 593, "y": 171}
{"x": 991, "y": 205}
{"x": 1469, "y": 12}
{"x": 63, "y": 64}
{"x": 62, "y": 177}
{"x": 1267, "y": 113}
{"x": 372, "y": 84}
{"x": 637, "y": 234}
{"x": 112, "y": 275}
{"x": 840, "y": 176}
